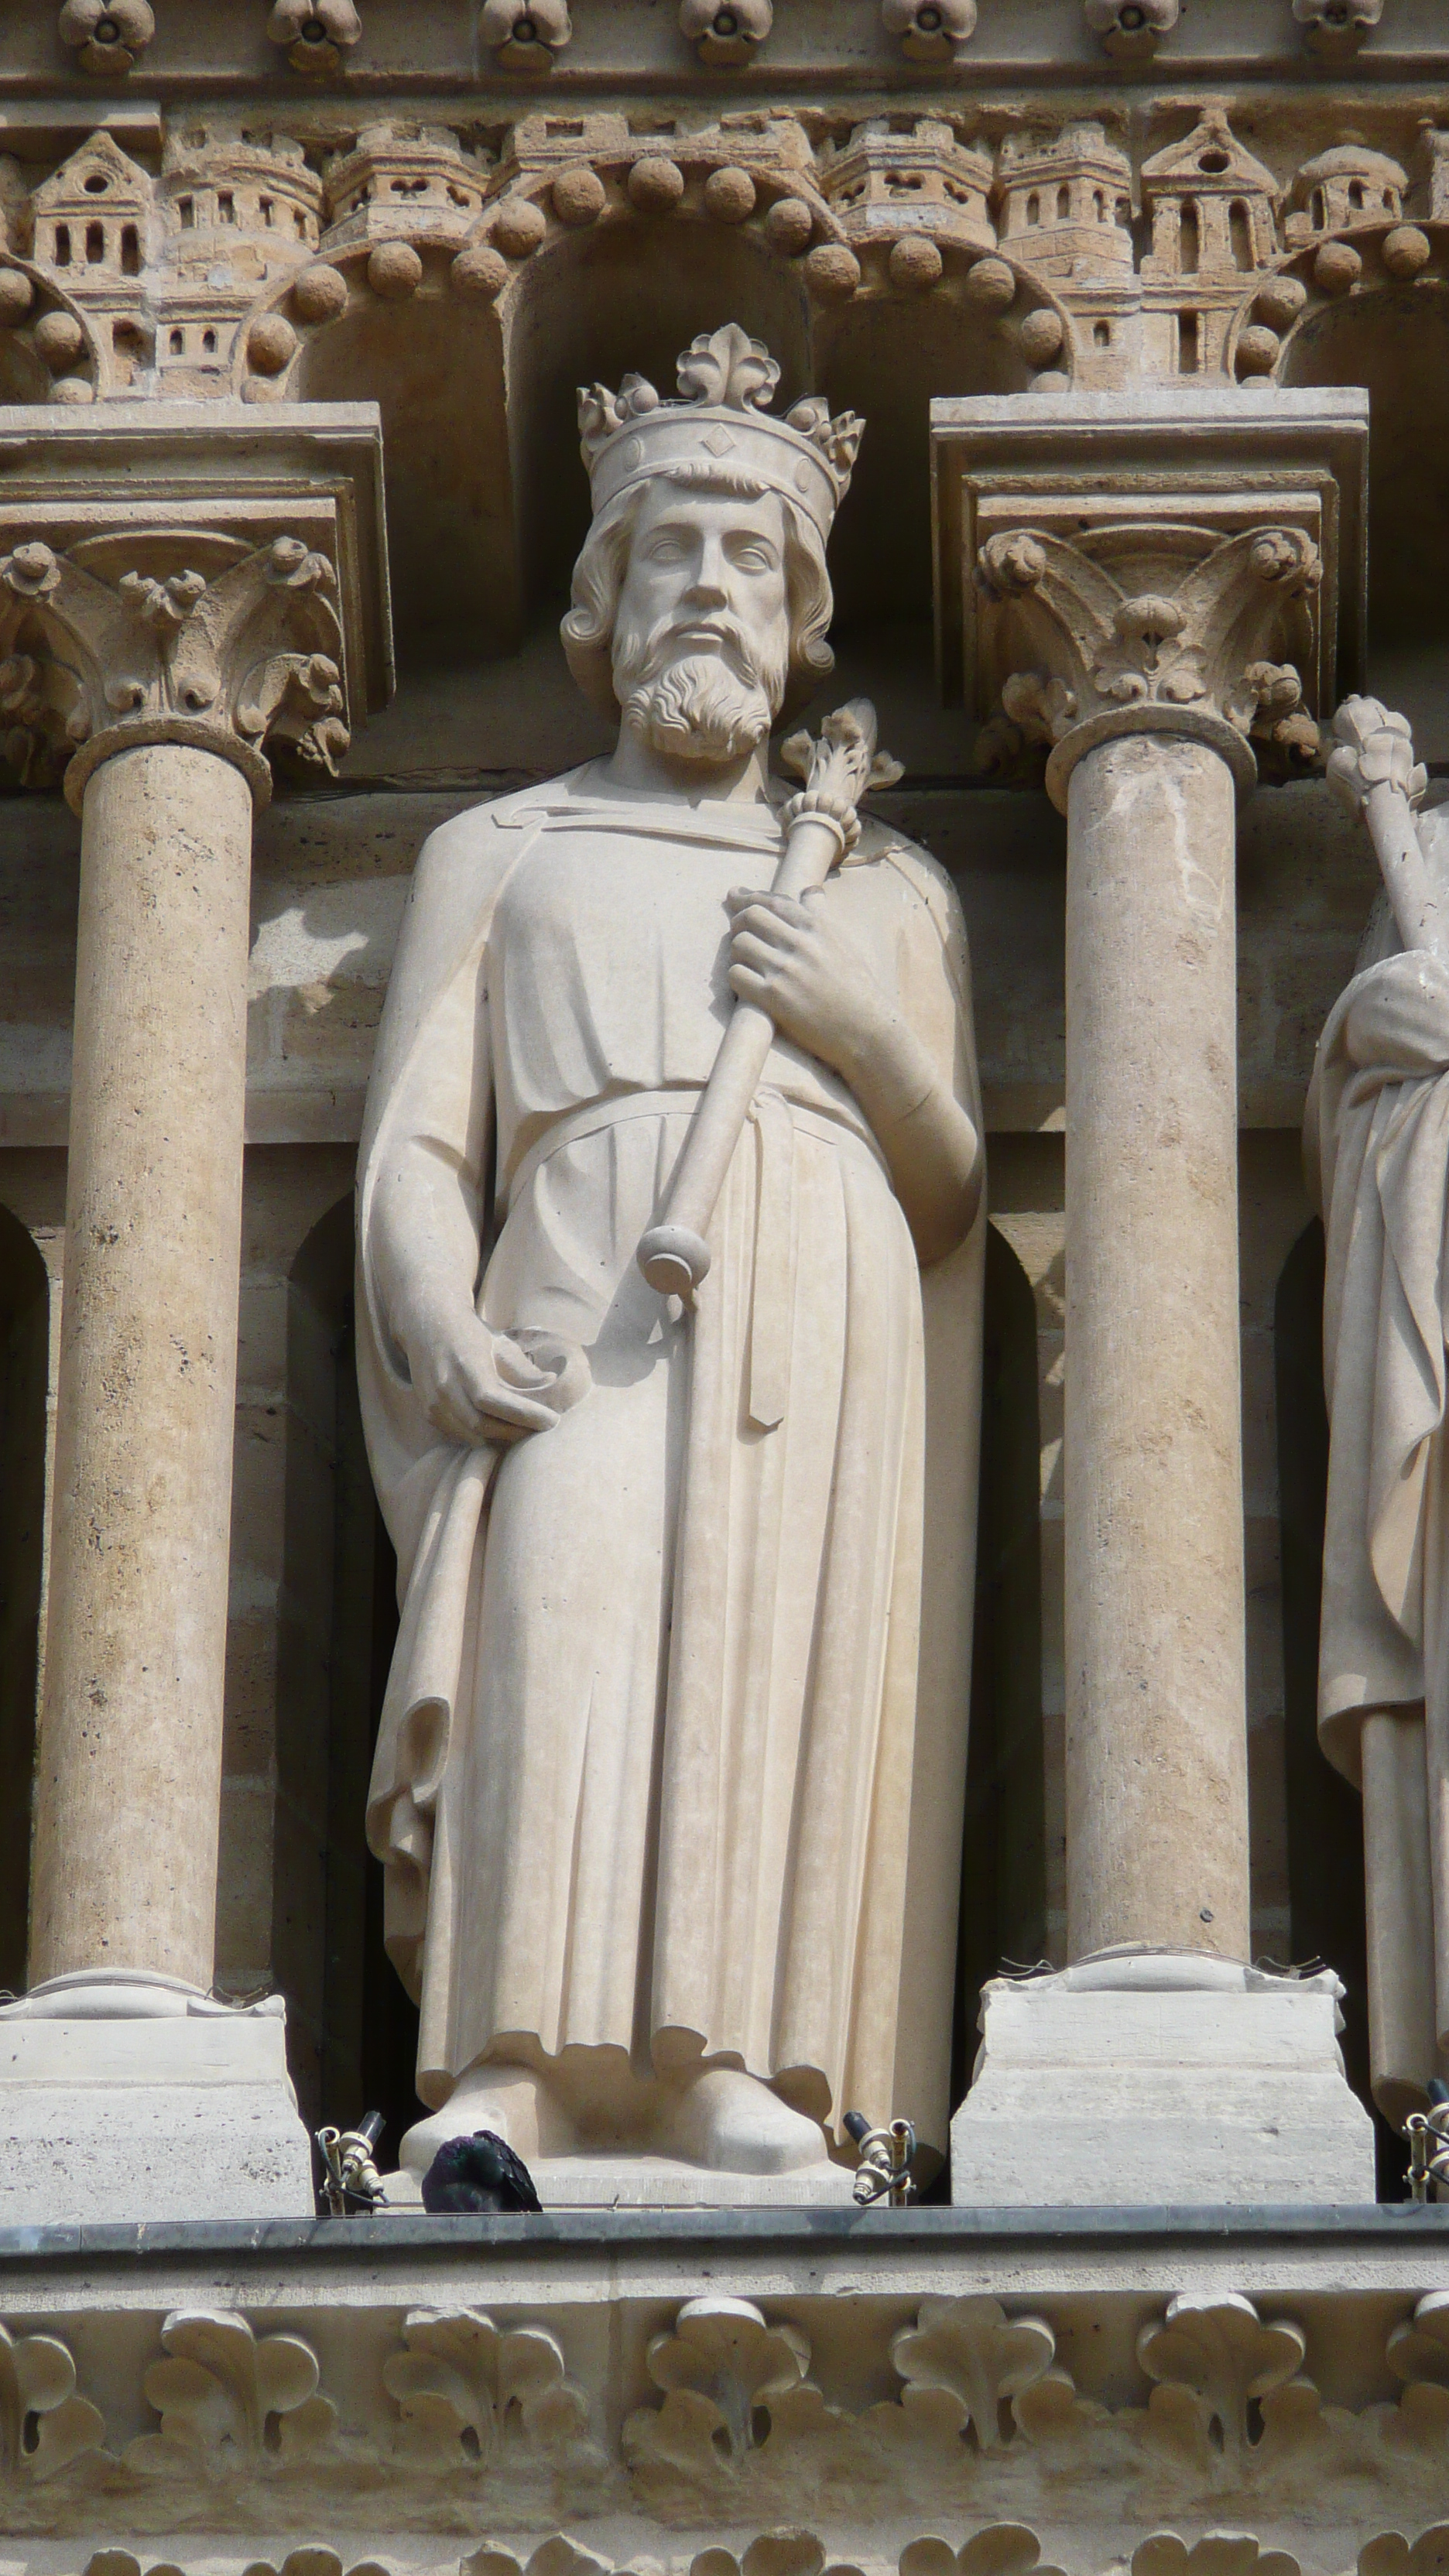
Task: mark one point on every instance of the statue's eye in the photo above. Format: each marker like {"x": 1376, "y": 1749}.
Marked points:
{"x": 752, "y": 557}
{"x": 666, "y": 550}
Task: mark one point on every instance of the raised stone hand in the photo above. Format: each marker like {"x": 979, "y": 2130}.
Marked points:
{"x": 477, "y": 1385}
{"x": 1373, "y": 771}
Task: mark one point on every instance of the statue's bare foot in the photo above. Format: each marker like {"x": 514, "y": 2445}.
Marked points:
{"x": 512, "y": 2101}
{"x": 735, "y": 2124}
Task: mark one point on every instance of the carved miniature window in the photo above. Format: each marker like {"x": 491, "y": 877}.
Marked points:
{"x": 1188, "y": 357}
{"x": 1188, "y": 241}
{"x": 208, "y": 343}
{"x": 1064, "y": 205}
{"x": 300, "y": 221}
{"x": 1033, "y": 208}
{"x": 62, "y": 246}
{"x": 1240, "y": 223}
{"x": 268, "y": 210}
{"x": 1355, "y": 195}
{"x": 186, "y": 213}
{"x": 1317, "y": 210}
{"x": 225, "y": 206}
{"x": 97, "y": 184}
{"x": 177, "y": 344}
{"x": 1124, "y": 212}
{"x": 1102, "y": 335}
{"x": 95, "y": 245}
{"x": 130, "y": 251}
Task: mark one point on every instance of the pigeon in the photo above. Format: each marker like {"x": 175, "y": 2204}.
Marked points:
{"x": 481, "y": 2172}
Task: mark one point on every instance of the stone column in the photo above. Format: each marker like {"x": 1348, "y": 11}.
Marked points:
{"x": 1145, "y": 642}
{"x": 154, "y": 666}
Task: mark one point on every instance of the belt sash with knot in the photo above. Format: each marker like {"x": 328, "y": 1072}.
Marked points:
{"x": 775, "y": 1120}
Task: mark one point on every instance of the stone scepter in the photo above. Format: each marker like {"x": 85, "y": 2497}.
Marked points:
{"x": 1374, "y": 772}
{"x": 822, "y": 827}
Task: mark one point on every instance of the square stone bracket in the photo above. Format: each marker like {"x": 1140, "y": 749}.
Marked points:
{"x": 1084, "y": 466}
{"x": 215, "y": 469}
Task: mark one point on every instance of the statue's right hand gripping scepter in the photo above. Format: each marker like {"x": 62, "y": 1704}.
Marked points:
{"x": 1373, "y": 770}
{"x": 821, "y": 826}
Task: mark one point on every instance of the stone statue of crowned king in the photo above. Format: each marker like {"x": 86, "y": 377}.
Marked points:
{"x": 668, "y": 1788}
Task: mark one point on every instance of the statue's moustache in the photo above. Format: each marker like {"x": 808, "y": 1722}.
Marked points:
{"x": 681, "y": 638}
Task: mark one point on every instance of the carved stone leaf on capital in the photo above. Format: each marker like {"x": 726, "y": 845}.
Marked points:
{"x": 1002, "y": 2549}
{"x": 1215, "y": 2362}
{"x": 462, "y": 2384}
{"x": 1417, "y": 2350}
{"x": 1194, "y": 641}
{"x": 230, "y": 2400}
{"x": 719, "y": 2366}
{"x": 1217, "y": 2553}
{"x": 44, "y": 2425}
{"x": 241, "y": 657}
{"x": 965, "y": 2361}
{"x": 557, "y": 2556}
{"x": 1389, "y": 2553}
{"x": 771, "y": 2553}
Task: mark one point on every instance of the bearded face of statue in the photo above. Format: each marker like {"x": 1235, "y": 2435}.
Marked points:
{"x": 702, "y": 632}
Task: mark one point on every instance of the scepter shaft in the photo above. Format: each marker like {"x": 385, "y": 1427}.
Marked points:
{"x": 674, "y": 1255}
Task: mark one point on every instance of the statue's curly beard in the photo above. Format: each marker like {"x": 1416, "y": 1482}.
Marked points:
{"x": 711, "y": 704}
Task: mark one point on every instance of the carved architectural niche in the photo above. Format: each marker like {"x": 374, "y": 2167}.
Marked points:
{"x": 1064, "y": 209}
{"x": 1336, "y": 190}
{"x": 1212, "y": 208}
{"x": 902, "y": 174}
{"x": 403, "y": 182}
{"x": 236, "y": 215}
{"x": 90, "y": 227}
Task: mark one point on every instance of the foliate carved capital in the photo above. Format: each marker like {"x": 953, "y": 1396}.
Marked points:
{"x": 1152, "y": 629}
{"x": 168, "y": 637}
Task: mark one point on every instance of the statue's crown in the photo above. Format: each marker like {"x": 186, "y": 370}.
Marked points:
{"x": 718, "y": 425}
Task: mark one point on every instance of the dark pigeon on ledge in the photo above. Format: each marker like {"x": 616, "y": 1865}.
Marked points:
{"x": 481, "y": 2172}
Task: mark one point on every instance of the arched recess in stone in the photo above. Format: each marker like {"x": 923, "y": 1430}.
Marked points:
{"x": 1325, "y": 1817}
{"x": 352, "y": 2030}
{"x": 24, "y": 1349}
{"x": 620, "y": 298}
{"x": 1369, "y": 306}
{"x": 886, "y": 355}
{"x": 432, "y": 360}
{"x": 1003, "y": 1861}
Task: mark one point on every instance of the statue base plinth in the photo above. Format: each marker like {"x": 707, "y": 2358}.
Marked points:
{"x": 134, "y": 2098}
{"x": 661, "y": 2182}
{"x": 1138, "y": 2077}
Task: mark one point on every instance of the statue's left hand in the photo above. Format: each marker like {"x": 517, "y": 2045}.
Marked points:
{"x": 795, "y": 962}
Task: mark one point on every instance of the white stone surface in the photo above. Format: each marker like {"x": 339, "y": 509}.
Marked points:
{"x": 1158, "y": 2076}
{"x": 139, "y": 2101}
{"x": 661, "y": 2182}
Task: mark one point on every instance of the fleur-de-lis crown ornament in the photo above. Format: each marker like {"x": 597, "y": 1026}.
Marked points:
{"x": 719, "y": 426}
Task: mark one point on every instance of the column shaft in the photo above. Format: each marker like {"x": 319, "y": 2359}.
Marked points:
{"x": 1157, "y": 1825}
{"x": 129, "y": 1766}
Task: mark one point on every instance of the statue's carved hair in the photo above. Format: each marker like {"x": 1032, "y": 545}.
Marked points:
{"x": 588, "y": 629}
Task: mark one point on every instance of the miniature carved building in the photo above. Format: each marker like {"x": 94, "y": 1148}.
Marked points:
{"x": 1144, "y": 311}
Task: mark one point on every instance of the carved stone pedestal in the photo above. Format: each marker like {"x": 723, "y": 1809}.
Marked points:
{"x": 1139, "y": 2076}
{"x": 138, "y": 2098}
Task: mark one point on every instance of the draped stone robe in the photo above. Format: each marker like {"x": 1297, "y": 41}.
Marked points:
{"x": 1378, "y": 1140}
{"x": 665, "y": 1764}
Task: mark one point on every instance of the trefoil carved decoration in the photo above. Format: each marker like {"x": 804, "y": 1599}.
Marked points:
{"x": 930, "y": 31}
{"x": 106, "y": 36}
{"x": 314, "y": 34}
{"x": 726, "y": 33}
{"x": 525, "y": 35}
